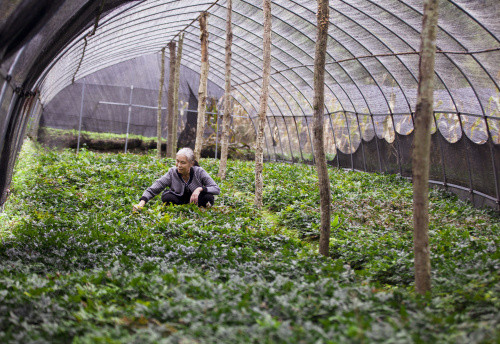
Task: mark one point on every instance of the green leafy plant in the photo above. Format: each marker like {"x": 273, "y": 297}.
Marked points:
{"x": 77, "y": 265}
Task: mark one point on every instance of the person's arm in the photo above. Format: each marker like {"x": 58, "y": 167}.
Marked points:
{"x": 159, "y": 184}
{"x": 139, "y": 205}
{"x": 195, "y": 195}
{"x": 209, "y": 184}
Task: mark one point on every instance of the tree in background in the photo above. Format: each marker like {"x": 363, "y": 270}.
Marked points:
{"x": 160, "y": 91}
{"x": 319, "y": 142}
{"x": 227, "y": 94}
{"x": 176, "y": 93}
{"x": 259, "y": 149}
{"x": 421, "y": 148}
{"x": 170, "y": 113}
{"x": 202, "y": 91}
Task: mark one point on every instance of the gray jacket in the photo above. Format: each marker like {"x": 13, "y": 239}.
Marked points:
{"x": 172, "y": 180}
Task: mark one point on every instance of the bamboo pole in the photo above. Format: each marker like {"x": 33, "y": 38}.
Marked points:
{"x": 170, "y": 109}
{"x": 318, "y": 129}
{"x": 227, "y": 95}
{"x": 176, "y": 91}
{"x": 202, "y": 91}
{"x": 421, "y": 148}
{"x": 80, "y": 120}
{"x": 158, "y": 113}
{"x": 259, "y": 150}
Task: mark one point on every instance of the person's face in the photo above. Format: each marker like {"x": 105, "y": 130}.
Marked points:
{"x": 183, "y": 164}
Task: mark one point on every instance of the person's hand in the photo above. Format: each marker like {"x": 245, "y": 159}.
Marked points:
{"x": 195, "y": 195}
{"x": 138, "y": 206}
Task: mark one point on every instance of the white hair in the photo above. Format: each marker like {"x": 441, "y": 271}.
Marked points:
{"x": 188, "y": 153}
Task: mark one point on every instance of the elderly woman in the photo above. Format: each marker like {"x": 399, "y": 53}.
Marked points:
{"x": 187, "y": 182}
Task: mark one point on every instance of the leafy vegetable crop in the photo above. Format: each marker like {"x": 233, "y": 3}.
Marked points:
{"x": 77, "y": 265}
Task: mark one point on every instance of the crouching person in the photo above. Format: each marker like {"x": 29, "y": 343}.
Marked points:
{"x": 184, "y": 183}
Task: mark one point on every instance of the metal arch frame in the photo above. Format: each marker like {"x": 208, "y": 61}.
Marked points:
{"x": 69, "y": 72}
{"x": 340, "y": 44}
{"x": 497, "y": 186}
{"x": 108, "y": 21}
{"x": 361, "y": 93}
{"x": 381, "y": 63}
{"x": 246, "y": 91}
{"x": 308, "y": 68}
{"x": 307, "y": 83}
{"x": 89, "y": 69}
{"x": 252, "y": 44}
{"x": 67, "y": 50}
{"x": 302, "y": 77}
{"x": 355, "y": 84}
{"x": 384, "y": 67}
{"x": 396, "y": 56}
{"x": 474, "y": 19}
{"x": 143, "y": 50}
{"x": 386, "y": 46}
{"x": 75, "y": 41}
{"x": 136, "y": 33}
{"x": 244, "y": 107}
{"x": 159, "y": 13}
{"x": 435, "y": 73}
{"x": 411, "y": 73}
{"x": 378, "y": 85}
{"x": 157, "y": 19}
{"x": 380, "y": 89}
{"x": 454, "y": 63}
{"x": 458, "y": 113}
{"x": 276, "y": 47}
{"x": 404, "y": 64}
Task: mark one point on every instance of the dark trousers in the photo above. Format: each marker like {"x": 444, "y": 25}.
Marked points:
{"x": 203, "y": 198}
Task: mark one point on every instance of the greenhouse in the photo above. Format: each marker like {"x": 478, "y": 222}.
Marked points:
{"x": 126, "y": 84}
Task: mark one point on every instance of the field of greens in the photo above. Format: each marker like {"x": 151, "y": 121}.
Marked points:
{"x": 78, "y": 266}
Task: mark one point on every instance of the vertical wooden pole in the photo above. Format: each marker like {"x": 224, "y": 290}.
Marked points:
{"x": 264, "y": 95}
{"x": 158, "y": 114}
{"x": 318, "y": 129}
{"x": 421, "y": 148}
{"x": 202, "y": 91}
{"x": 170, "y": 114}
{"x": 227, "y": 94}
{"x": 176, "y": 93}
{"x": 80, "y": 120}
{"x": 129, "y": 115}
{"x": 37, "y": 114}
